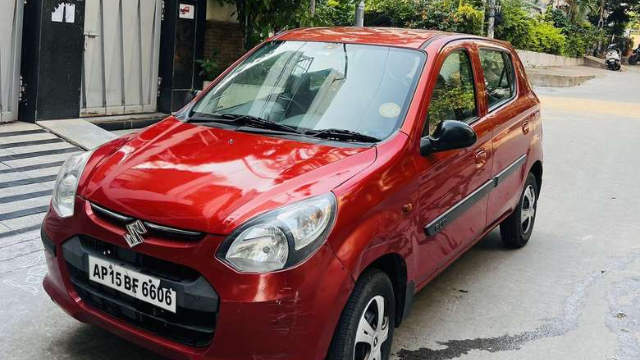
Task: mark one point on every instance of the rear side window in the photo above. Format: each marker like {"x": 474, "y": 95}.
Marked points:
{"x": 454, "y": 96}
{"x": 498, "y": 76}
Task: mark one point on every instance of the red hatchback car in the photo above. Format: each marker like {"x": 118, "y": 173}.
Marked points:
{"x": 295, "y": 207}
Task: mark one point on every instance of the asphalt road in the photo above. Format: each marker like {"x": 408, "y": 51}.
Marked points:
{"x": 572, "y": 293}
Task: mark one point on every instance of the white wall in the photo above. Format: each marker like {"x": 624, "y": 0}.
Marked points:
{"x": 217, "y": 12}
{"x": 532, "y": 59}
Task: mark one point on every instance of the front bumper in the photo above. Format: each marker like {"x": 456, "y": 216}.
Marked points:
{"x": 285, "y": 315}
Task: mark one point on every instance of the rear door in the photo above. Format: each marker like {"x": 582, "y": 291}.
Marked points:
{"x": 453, "y": 184}
{"x": 510, "y": 111}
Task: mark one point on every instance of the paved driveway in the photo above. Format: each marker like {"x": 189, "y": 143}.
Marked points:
{"x": 573, "y": 293}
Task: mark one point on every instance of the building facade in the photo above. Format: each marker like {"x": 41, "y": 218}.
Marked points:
{"x": 64, "y": 59}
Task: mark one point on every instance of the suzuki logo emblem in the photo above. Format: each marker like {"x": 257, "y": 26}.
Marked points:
{"x": 135, "y": 231}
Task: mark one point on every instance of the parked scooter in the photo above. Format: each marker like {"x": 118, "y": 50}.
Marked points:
{"x": 612, "y": 58}
{"x": 635, "y": 57}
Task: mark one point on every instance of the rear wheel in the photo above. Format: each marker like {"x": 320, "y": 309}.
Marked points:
{"x": 633, "y": 60}
{"x": 365, "y": 330}
{"x": 518, "y": 227}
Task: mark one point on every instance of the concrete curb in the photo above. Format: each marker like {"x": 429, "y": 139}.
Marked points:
{"x": 78, "y": 132}
{"x": 532, "y": 59}
{"x": 595, "y": 62}
{"x": 125, "y": 122}
{"x": 554, "y": 80}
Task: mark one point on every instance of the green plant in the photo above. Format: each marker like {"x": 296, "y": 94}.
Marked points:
{"x": 335, "y": 12}
{"x": 209, "y": 68}
{"x": 625, "y": 44}
{"x": 469, "y": 20}
{"x": 581, "y": 36}
{"x": 397, "y": 13}
{"x": 546, "y": 38}
{"x": 527, "y": 33}
{"x": 515, "y": 25}
{"x": 261, "y": 18}
{"x": 450, "y": 15}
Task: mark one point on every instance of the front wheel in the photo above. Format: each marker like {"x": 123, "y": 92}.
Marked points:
{"x": 365, "y": 330}
{"x": 517, "y": 228}
{"x": 633, "y": 60}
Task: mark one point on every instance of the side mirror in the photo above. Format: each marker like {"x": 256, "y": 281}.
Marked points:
{"x": 449, "y": 135}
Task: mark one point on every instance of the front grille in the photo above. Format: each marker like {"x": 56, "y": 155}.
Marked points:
{"x": 193, "y": 323}
{"x": 160, "y": 230}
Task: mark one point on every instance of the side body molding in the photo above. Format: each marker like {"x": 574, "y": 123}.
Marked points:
{"x": 439, "y": 223}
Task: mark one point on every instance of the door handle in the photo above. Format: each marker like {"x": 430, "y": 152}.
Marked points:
{"x": 481, "y": 157}
{"x": 89, "y": 35}
{"x": 525, "y": 127}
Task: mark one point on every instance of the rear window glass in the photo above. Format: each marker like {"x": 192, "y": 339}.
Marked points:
{"x": 498, "y": 76}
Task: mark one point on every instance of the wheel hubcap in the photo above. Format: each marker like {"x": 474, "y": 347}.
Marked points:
{"x": 528, "y": 211}
{"x": 373, "y": 331}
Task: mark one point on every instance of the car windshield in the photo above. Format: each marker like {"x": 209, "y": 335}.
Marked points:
{"x": 315, "y": 86}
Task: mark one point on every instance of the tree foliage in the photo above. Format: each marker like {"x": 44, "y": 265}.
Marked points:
{"x": 398, "y": 13}
{"x": 546, "y": 38}
{"x": 581, "y": 36}
{"x": 445, "y": 15}
{"x": 555, "y": 32}
{"x": 570, "y": 30}
{"x": 260, "y": 18}
{"x": 515, "y": 25}
{"x": 335, "y": 12}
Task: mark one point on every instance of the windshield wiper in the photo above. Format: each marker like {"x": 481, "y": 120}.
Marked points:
{"x": 341, "y": 134}
{"x": 243, "y": 120}
{"x": 257, "y": 122}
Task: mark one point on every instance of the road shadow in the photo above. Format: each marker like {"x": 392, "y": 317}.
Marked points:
{"x": 87, "y": 342}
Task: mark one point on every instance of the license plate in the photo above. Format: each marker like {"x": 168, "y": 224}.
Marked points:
{"x": 132, "y": 283}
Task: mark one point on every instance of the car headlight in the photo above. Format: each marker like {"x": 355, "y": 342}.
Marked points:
{"x": 281, "y": 238}
{"x": 64, "y": 192}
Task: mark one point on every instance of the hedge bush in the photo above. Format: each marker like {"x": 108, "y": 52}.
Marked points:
{"x": 443, "y": 15}
{"x": 546, "y": 38}
{"x": 515, "y": 25}
{"x": 529, "y": 33}
{"x": 552, "y": 33}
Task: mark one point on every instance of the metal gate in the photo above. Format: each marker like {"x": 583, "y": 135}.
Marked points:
{"x": 122, "y": 47}
{"x": 10, "y": 48}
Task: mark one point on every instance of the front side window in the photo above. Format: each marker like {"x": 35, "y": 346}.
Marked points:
{"x": 498, "y": 76}
{"x": 454, "y": 95}
{"x": 315, "y": 86}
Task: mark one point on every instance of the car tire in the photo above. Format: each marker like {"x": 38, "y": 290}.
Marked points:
{"x": 518, "y": 227}
{"x": 350, "y": 341}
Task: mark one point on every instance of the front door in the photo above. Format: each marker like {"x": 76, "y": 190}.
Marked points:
{"x": 454, "y": 184}
{"x": 122, "y": 47}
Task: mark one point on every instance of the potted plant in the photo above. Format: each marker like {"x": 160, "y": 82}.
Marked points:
{"x": 209, "y": 69}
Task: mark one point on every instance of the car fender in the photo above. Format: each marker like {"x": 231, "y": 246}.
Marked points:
{"x": 376, "y": 210}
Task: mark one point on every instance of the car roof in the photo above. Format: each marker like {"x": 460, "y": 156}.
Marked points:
{"x": 407, "y": 38}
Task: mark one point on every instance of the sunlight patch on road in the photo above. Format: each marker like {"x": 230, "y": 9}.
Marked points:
{"x": 590, "y": 106}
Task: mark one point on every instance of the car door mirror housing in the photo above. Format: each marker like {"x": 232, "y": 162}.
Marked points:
{"x": 449, "y": 135}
